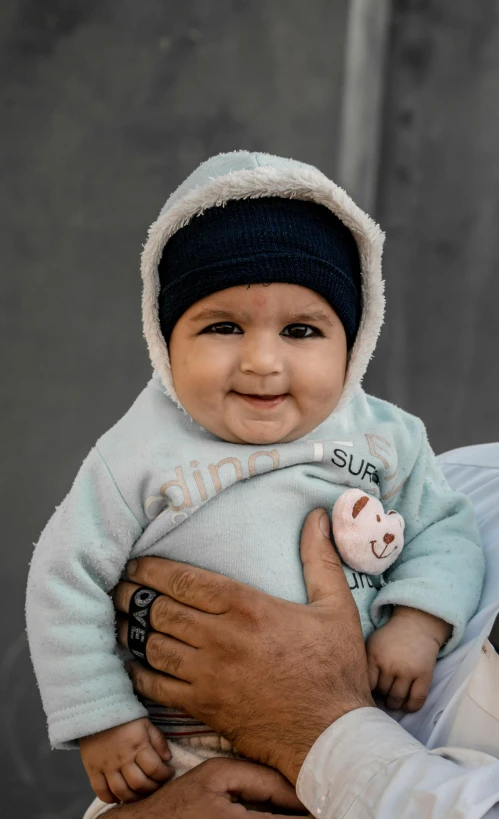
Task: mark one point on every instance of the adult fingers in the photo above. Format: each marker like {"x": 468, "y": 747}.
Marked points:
{"x": 167, "y": 615}
{"x": 252, "y": 783}
{"x": 418, "y": 694}
{"x": 322, "y": 569}
{"x": 203, "y": 590}
{"x": 398, "y": 693}
{"x": 161, "y": 689}
{"x": 164, "y": 653}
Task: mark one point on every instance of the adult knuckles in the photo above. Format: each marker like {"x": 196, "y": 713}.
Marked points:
{"x": 210, "y": 770}
{"x": 149, "y": 572}
{"x": 218, "y": 592}
{"x": 156, "y": 691}
{"x": 164, "y": 612}
{"x": 213, "y": 773}
{"x": 181, "y": 583}
{"x": 251, "y": 609}
{"x": 215, "y": 591}
{"x": 160, "y": 613}
{"x": 162, "y": 655}
{"x": 150, "y": 685}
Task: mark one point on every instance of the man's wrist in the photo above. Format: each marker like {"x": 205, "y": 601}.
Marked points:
{"x": 290, "y": 763}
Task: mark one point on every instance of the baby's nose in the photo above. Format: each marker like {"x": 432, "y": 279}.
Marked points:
{"x": 261, "y": 357}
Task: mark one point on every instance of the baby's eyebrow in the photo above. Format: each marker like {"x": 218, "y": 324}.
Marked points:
{"x": 210, "y": 314}
{"x": 311, "y": 315}
{"x": 300, "y": 317}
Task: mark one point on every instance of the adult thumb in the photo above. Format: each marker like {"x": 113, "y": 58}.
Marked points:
{"x": 322, "y": 569}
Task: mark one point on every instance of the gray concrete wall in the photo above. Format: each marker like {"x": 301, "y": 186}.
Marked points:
{"x": 106, "y": 106}
{"x": 439, "y": 204}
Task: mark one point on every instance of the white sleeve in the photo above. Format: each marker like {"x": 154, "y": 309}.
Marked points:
{"x": 365, "y": 766}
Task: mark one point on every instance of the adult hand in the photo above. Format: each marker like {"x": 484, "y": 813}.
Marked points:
{"x": 216, "y": 789}
{"x": 267, "y": 674}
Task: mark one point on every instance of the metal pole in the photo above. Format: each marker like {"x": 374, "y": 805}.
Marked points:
{"x": 361, "y": 110}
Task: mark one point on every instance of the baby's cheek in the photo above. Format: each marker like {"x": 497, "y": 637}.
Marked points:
{"x": 320, "y": 393}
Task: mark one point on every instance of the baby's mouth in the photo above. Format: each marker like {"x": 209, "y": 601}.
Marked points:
{"x": 262, "y": 401}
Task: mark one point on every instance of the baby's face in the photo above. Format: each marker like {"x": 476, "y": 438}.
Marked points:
{"x": 261, "y": 364}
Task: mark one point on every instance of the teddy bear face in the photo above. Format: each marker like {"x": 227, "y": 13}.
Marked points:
{"x": 368, "y": 539}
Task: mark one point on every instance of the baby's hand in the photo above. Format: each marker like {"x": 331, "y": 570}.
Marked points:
{"x": 402, "y": 654}
{"x": 128, "y": 762}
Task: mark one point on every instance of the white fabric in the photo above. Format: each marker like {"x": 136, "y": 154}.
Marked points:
{"x": 365, "y": 766}
{"x": 98, "y": 808}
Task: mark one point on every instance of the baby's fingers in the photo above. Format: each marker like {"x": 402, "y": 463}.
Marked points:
{"x": 100, "y": 787}
{"x": 398, "y": 693}
{"x": 137, "y": 780}
{"x": 152, "y": 765}
{"x": 385, "y": 682}
{"x": 118, "y": 785}
{"x": 158, "y": 742}
{"x": 419, "y": 692}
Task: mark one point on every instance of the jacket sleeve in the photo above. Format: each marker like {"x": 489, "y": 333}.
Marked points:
{"x": 442, "y": 566}
{"x": 70, "y": 617}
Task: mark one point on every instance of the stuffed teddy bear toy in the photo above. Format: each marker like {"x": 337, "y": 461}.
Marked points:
{"x": 368, "y": 539}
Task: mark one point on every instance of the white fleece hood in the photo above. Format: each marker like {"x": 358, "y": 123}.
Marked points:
{"x": 242, "y": 175}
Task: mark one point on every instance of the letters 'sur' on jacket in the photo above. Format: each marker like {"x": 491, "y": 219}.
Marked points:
{"x": 159, "y": 484}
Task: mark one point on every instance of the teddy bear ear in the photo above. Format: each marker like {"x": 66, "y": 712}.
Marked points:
{"x": 359, "y": 505}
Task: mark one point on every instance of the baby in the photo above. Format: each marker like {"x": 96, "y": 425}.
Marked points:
{"x": 262, "y": 304}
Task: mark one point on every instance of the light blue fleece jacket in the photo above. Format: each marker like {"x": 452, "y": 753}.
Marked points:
{"x": 159, "y": 484}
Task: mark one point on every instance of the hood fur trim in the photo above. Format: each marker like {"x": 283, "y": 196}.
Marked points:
{"x": 295, "y": 181}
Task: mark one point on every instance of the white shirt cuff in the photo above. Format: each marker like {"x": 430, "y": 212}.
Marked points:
{"x": 346, "y": 757}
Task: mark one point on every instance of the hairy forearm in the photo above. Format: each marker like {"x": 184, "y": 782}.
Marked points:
{"x": 123, "y": 812}
{"x": 145, "y": 809}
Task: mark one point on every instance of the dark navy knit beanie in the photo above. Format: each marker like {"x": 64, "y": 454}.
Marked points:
{"x": 258, "y": 241}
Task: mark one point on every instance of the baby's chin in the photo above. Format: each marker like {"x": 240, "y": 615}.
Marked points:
{"x": 261, "y": 433}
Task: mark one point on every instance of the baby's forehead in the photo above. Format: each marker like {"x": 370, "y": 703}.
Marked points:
{"x": 249, "y": 301}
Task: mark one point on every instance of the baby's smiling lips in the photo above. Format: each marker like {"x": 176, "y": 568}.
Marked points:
{"x": 262, "y": 401}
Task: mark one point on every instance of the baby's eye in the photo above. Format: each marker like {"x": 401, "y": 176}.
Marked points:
{"x": 223, "y": 328}
{"x": 300, "y": 331}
